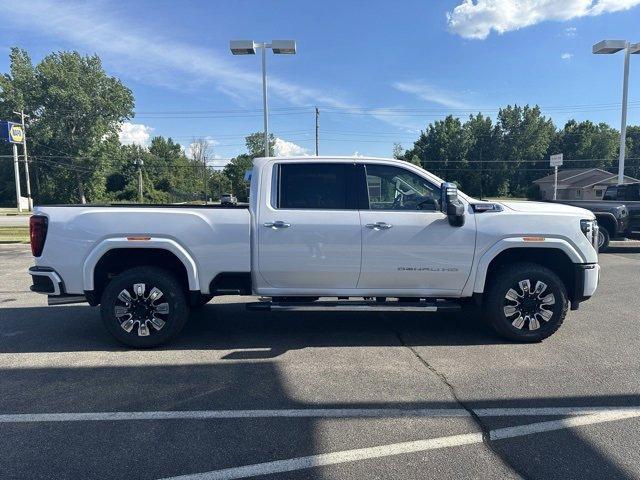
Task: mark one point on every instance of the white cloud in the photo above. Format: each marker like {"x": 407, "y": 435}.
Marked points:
{"x": 476, "y": 19}
{"x": 282, "y": 148}
{"x": 134, "y": 133}
{"x": 431, "y": 94}
{"x": 566, "y": 56}
{"x": 570, "y": 31}
{"x": 153, "y": 58}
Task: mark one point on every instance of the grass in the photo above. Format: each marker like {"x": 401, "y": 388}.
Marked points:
{"x": 14, "y": 234}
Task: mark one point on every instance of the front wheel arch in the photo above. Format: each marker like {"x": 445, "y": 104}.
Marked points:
{"x": 554, "y": 259}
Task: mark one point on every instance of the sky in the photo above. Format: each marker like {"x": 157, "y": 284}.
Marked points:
{"x": 379, "y": 72}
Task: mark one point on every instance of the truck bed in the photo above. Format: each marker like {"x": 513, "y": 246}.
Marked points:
{"x": 215, "y": 237}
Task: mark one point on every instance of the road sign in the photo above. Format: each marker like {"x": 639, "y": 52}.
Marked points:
{"x": 11, "y": 132}
{"x": 555, "y": 160}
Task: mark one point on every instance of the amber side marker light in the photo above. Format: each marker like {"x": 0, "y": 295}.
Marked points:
{"x": 533, "y": 239}
{"x": 138, "y": 239}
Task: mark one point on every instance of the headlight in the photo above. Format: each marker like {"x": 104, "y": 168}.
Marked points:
{"x": 590, "y": 230}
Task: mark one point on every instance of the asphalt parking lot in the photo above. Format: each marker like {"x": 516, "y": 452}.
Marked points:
{"x": 320, "y": 395}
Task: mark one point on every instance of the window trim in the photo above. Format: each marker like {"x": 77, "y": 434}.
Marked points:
{"x": 363, "y": 189}
{"x": 351, "y": 198}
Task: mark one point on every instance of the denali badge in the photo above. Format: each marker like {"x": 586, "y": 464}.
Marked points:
{"x": 427, "y": 269}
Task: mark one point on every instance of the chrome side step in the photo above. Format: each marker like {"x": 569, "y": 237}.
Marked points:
{"x": 355, "y": 306}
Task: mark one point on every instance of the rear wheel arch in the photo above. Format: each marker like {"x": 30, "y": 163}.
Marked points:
{"x": 608, "y": 222}
{"x": 117, "y": 260}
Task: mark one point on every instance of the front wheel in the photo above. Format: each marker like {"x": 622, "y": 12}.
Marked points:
{"x": 526, "y": 302}
{"x": 144, "y": 307}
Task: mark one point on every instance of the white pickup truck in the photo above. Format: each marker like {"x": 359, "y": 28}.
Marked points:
{"x": 321, "y": 233}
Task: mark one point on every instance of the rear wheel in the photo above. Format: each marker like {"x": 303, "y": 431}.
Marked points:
{"x": 526, "y": 302}
{"x": 144, "y": 307}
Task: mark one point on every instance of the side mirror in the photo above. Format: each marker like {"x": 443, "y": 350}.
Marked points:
{"x": 451, "y": 204}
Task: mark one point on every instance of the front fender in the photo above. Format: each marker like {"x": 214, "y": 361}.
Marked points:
{"x": 168, "y": 244}
{"x": 519, "y": 242}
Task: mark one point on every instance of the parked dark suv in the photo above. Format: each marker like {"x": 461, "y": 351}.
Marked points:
{"x": 618, "y": 213}
{"x": 628, "y": 194}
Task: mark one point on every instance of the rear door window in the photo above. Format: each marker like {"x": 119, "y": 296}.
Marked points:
{"x": 315, "y": 186}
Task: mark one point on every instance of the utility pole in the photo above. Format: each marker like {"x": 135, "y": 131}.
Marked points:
{"x": 481, "y": 193}
{"x": 204, "y": 178}
{"x": 140, "y": 195}
{"x": 16, "y": 173}
{"x": 26, "y": 158}
{"x": 317, "y": 129}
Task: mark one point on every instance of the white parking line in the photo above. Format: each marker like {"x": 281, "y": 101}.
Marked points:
{"x": 310, "y": 413}
{"x": 347, "y": 456}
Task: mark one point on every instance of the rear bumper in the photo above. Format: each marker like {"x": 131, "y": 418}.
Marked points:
{"x": 45, "y": 280}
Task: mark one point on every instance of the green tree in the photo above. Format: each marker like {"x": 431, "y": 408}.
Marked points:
{"x": 235, "y": 171}
{"x": 585, "y": 144}
{"x": 73, "y": 106}
{"x": 441, "y": 148}
{"x": 525, "y": 137}
{"x": 171, "y": 172}
{"x": 219, "y": 184}
{"x": 255, "y": 144}
{"x": 632, "y": 153}
{"x": 482, "y": 139}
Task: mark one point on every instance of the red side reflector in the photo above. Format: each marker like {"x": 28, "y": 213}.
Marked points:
{"x": 37, "y": 233}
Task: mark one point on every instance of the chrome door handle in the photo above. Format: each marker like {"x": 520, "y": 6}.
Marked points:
{"x": 277, "y": 224}
{"x": 379, "y": 226}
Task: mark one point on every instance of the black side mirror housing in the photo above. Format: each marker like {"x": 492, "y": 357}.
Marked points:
{"x": 451, "y": 204}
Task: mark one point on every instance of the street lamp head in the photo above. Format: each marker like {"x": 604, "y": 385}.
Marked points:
{"x": 242, "y": 47}
{"x": 283, "y": 47}
{"x": 609, "y": 46}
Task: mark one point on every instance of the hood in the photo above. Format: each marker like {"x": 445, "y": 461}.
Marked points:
{"x": 544, "y": 207}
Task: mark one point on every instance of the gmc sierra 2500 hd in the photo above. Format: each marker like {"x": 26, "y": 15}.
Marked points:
{"x": 375, "y": 233}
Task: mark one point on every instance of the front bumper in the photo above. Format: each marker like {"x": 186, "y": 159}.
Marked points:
{"x": 586, "y": 278}
{"x": 45, "y": 280}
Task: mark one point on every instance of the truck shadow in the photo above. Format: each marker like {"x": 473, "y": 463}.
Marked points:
{"x": 230, "y": 327}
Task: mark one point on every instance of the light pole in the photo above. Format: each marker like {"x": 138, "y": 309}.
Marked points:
{"x": 610, "y": 47}
{"x": 248, "y": 47}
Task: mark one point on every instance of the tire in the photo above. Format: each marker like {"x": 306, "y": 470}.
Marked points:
{"x": 534, "y": 319}
{"x": 603, "y": 239}
{"x": 124, "y": 314}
